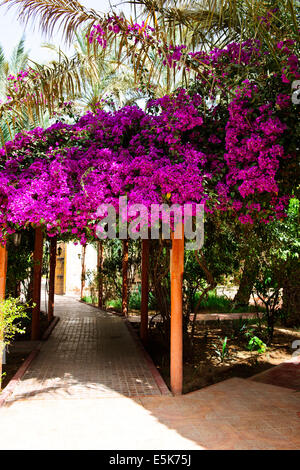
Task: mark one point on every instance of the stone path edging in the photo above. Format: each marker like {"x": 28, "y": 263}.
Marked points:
{"x": 50, "y": 328}
{"x": 156, "y": 375}
{"x": 10, "y": 387}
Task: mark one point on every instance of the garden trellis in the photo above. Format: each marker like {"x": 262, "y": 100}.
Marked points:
{"x": 234, "y": 156}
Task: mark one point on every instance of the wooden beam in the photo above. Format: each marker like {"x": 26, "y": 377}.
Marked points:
{"x": 176, "y": 343}
{"x": 37, "y": 279}
{"x": 99, "y": 269}
{"x": 145, "y": 291}
{"x": 53, "y": 250}
{"x": 83, "y": 253}
{"x": 3, "y": 269}
{"x": 125, "y": 278}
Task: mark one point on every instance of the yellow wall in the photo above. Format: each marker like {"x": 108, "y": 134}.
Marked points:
{"x": 60, "y": 272}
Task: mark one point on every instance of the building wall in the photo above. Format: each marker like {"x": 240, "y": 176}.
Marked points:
{"x": 60, "y": 277}
{"x": 73, "y": 267}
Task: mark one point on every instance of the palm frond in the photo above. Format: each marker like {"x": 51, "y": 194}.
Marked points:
{"x": 2, "y": 56}
{"x": 6, "y": 133}
{"x": 19, "y": 56}
{"x": 12, "y": 123}
{"x": 47, "y": 86}
{"x": 203, "y": 24}
{"x": 50, "y": 46}
{"x": 68, "y": 15}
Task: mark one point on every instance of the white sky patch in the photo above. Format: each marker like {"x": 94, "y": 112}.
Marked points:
{"x": 11, "y": 31}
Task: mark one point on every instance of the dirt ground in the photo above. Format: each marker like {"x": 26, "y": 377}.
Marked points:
{"x": 13, "y": 361}
{"x": 203, "y": 367}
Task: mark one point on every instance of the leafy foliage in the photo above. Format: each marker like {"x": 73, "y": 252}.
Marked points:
{"x": 222, "y": 351}
{"x": 255, "y": 343}
{"x": 20, "y": 264}
{"x": 11, "y": 310}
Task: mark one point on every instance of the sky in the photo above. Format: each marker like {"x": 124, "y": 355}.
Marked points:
{"x": 11, "y": 30}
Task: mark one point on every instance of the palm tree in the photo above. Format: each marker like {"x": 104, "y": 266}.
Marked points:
{"x": 10, "y": 66}
{"x": 43, "y": 90}
{"x": 109, "y": 79}
{"x": 13, "y": 64}
{"x": 197, "y": 24}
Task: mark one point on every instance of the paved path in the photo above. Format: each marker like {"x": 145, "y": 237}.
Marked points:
{"x": 75, "y": 394}
{"x": 90, "y": 354}
{"x": 234, "y": 414}
{"x": 91, "y": 388}
{"x": 286, "y": 375}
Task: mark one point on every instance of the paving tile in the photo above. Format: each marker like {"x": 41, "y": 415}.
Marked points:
{"x": 286, "y": 375}
{"x": 91, "y": 388}
{"x": 234, "y": 414}
{"x": 89, "y": 354}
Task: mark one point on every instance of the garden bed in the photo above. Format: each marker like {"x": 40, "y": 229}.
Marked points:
{"x": 21, "y": 347}
{"x": 203, "y": 367}
{"x": 14, "y": 359}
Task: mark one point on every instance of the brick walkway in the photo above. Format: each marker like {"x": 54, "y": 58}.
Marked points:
{"x": 286, "y": 375}
{"x": 90, "y": 354}
{"x": 235, "y": 414}
{"x": 91, "y": 388}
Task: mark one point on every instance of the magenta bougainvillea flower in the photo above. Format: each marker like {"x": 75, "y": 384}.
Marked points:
{"x": 229, "y": 155}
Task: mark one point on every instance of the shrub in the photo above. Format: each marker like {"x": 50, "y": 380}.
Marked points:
{"x": 11, "y": 310}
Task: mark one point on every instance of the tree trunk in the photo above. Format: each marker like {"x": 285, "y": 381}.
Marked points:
{"x": 243, "y": 294}
{"x": 291, "y": 305}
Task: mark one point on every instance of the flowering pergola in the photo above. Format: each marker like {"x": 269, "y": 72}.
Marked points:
{"x": 186, "y": 148}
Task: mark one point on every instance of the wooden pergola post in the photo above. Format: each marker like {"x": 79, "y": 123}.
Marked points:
{"x": 145, "y": 291}
{"x": 53, "y": 249}
{"x": 125, "y": 278}
{"x": 37, "y": 279}
{"x": 176, "y": 344}
{"x": 83, "y": 253}
{"x": 99, "y": 269}
{"x": 3, "y": 269}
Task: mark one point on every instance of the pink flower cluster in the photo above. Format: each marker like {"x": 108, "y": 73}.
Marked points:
{"x": 15, "y": 82}
{"x": 213, "y": 63}
{"x": 233, "y": 156}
